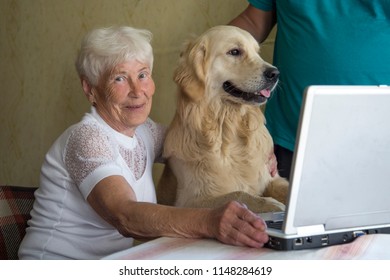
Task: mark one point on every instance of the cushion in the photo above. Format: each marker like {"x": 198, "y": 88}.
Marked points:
{"x": 15, "y": 206}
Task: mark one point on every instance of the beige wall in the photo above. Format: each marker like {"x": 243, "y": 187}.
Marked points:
{"x": 40, "y": 91}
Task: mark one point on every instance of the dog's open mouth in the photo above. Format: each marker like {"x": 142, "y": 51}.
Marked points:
{"x": 257, "y": 97}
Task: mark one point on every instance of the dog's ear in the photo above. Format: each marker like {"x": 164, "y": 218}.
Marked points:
{"x": 190, "y": 73}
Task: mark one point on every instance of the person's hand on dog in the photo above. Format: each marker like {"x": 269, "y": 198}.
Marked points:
{"x": 273, "y": 165}
{"x": 235, "y": 224}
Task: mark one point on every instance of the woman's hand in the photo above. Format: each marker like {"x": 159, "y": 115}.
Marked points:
{"x": 235, "y": 224}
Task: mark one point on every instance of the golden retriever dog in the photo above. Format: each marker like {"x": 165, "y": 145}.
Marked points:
{"x": 217, "y": 146}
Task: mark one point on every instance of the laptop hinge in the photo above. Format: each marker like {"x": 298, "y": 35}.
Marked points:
{"x": 309, "y": 230}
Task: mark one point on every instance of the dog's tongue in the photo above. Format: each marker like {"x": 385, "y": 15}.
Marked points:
{"x": 265, "y": 93}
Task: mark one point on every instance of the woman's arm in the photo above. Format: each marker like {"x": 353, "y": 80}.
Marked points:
{"x": 114, "y": 200}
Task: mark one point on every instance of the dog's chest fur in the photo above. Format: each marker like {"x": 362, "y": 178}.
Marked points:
{"x": 222, "y": 151}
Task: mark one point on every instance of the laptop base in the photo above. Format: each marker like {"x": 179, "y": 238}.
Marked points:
{"x": 318, "y": 241}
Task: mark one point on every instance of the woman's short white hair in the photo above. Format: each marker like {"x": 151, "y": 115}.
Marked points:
{"x": 102, "y": 49}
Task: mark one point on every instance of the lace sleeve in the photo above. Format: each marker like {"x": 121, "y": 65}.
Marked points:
{"x": 88, "y": 148}
{"x": 158, "y": 132}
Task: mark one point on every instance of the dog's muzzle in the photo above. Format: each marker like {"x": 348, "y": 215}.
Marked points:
{"x": 270, "y": 79}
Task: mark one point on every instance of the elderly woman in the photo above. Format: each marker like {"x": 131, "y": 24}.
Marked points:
{"x": 96, "y": 191}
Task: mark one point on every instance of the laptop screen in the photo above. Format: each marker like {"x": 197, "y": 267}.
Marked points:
{"x": 339, "y": 177}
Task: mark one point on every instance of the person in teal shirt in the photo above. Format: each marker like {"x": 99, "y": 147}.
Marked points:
{"x": 318, "y": 42}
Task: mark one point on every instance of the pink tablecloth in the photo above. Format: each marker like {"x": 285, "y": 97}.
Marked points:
{"x": 376, "y": 246}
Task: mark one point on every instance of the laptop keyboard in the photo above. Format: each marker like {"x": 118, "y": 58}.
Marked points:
{"x": 274, "y": 224}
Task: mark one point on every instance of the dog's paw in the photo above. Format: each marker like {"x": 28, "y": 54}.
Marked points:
{"x": 278, "y": 189}
{"x": 256, "y": 204}
{"x": 264, "y": 205}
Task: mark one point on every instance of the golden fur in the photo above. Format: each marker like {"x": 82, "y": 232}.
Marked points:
{"x": 217, "y": 145}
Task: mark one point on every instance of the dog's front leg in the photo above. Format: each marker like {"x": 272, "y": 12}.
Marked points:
{"x": 256, "y": 204}
{"x": 277, "y": 189}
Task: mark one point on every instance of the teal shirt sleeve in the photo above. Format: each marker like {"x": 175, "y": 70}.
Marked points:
{"x": 265, "y": 5}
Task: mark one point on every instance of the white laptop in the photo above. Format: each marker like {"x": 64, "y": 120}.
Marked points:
{"x": 340, "y": 182}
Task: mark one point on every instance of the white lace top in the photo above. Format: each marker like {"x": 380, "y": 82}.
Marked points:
{"x": 90, "y": 146}
{"x": 63, "y": 225}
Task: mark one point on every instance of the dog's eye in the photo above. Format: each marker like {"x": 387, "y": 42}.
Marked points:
{"x": 235, "y": 52}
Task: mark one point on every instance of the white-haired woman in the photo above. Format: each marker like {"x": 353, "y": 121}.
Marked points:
{"x": 96, "y": 192}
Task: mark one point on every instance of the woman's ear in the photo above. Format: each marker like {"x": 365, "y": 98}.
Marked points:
{"x": 88, "y": 91}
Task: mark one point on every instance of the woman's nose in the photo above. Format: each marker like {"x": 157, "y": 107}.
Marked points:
{"x": 135, "y": 89}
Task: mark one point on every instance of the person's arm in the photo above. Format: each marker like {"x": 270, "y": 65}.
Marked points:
{"x": 114, "y": 200}
{"x": 257, "y": 22}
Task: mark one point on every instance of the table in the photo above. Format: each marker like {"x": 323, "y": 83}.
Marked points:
{"x": 367, "y": 247}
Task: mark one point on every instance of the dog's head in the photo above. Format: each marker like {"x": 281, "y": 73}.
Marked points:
{"x": 224, "y": 62}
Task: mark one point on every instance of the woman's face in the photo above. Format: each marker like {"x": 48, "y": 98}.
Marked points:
{"x": 123, "y": 97}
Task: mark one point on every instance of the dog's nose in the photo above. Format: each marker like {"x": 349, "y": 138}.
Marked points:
{"x": 271, "y": 74}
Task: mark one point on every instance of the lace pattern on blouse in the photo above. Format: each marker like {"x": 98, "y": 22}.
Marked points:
{"x": 158, "y": 132}
{"x": 91, "y": 146}
{"x": 135, "y": 159}
{"x": 88, "y": 148}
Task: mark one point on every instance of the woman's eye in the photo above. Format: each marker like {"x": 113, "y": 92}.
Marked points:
{"x": 143, "y": 75}
{"x": 235, "y": 52}
{"x": 119, "y": 79}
